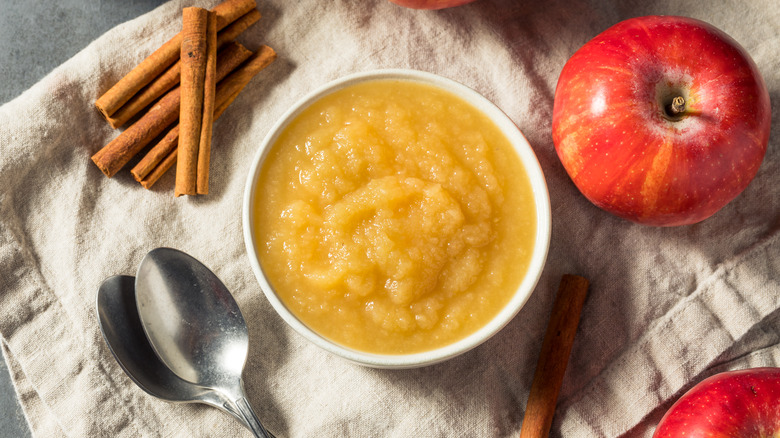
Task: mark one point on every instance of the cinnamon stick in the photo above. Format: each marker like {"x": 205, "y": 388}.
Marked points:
{"x": 209, "y": 94}
{"x": 554, "y": 356}
{"x": 162, "y": 114}
{"x": 170, "y": 78}
{"x": 162, "y": 58}
{"x": 162, "y": 156}
{"x": 194, "y": 47}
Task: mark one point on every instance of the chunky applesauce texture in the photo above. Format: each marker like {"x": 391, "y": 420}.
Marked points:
{"x": 393, "y": 217}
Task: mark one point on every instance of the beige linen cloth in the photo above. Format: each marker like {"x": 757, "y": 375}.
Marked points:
{"x": 667, "y": 307}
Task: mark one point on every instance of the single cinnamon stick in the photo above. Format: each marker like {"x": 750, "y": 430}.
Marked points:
{"x": 170, "y": 78}
{"x": 194, "y": 46}
{"x": 162, "y": 58}
{"x": 554, "y": 356}
{"x": 162, "y": 156}
{"x": 209, "y": 94}
{"x": 162, "y": 114}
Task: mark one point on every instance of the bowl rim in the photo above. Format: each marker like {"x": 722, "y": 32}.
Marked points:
{"x": 541, "y": 200}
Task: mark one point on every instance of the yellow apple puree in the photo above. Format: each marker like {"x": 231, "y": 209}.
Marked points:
{"x": 393, "y": 217}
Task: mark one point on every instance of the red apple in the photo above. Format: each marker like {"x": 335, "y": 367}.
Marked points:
{"x": 430, "y": 4}
{"x": 734, "y": 404}
{"x": 661, "y": 120}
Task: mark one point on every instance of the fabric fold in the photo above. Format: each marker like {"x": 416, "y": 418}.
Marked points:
{"x": 691, "y": 336}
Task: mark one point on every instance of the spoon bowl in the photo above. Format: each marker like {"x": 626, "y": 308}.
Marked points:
{"x": 194, "y": 326}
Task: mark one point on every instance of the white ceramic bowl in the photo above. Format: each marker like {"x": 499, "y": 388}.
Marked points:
{"x": 541, "y": 244}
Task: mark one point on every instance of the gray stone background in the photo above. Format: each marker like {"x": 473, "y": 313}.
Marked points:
{"x": 35, "y": 37}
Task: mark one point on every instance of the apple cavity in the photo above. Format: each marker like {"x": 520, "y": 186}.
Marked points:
{"x": 661, "y": 120}
{"x": 738, "y": 404}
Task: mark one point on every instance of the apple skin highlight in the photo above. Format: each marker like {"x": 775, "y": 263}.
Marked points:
{"x": 628, "y": 153}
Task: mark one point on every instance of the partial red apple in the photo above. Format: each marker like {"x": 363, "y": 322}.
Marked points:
{"x": 430, "y": 4}
{"x": 734, "y": 404}
{"x": 661, "y": 120}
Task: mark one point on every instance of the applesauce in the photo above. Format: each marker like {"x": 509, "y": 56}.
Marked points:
{"x": 393, "y": 217}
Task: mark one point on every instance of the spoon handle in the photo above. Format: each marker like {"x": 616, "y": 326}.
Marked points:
{"x": 251, "y": 419}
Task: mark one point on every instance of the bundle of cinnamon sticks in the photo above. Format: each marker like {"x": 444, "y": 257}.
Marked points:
{"x": 191, "y": 79}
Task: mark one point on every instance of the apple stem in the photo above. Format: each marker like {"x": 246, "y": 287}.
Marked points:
{"x": 677, "y": 107}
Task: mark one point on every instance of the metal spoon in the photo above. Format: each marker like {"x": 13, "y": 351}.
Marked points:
{"x": 122, "y": 331}
{"x": 195, "y": 326}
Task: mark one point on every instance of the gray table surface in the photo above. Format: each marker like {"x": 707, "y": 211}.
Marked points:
{"x": 27, "y": 54}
